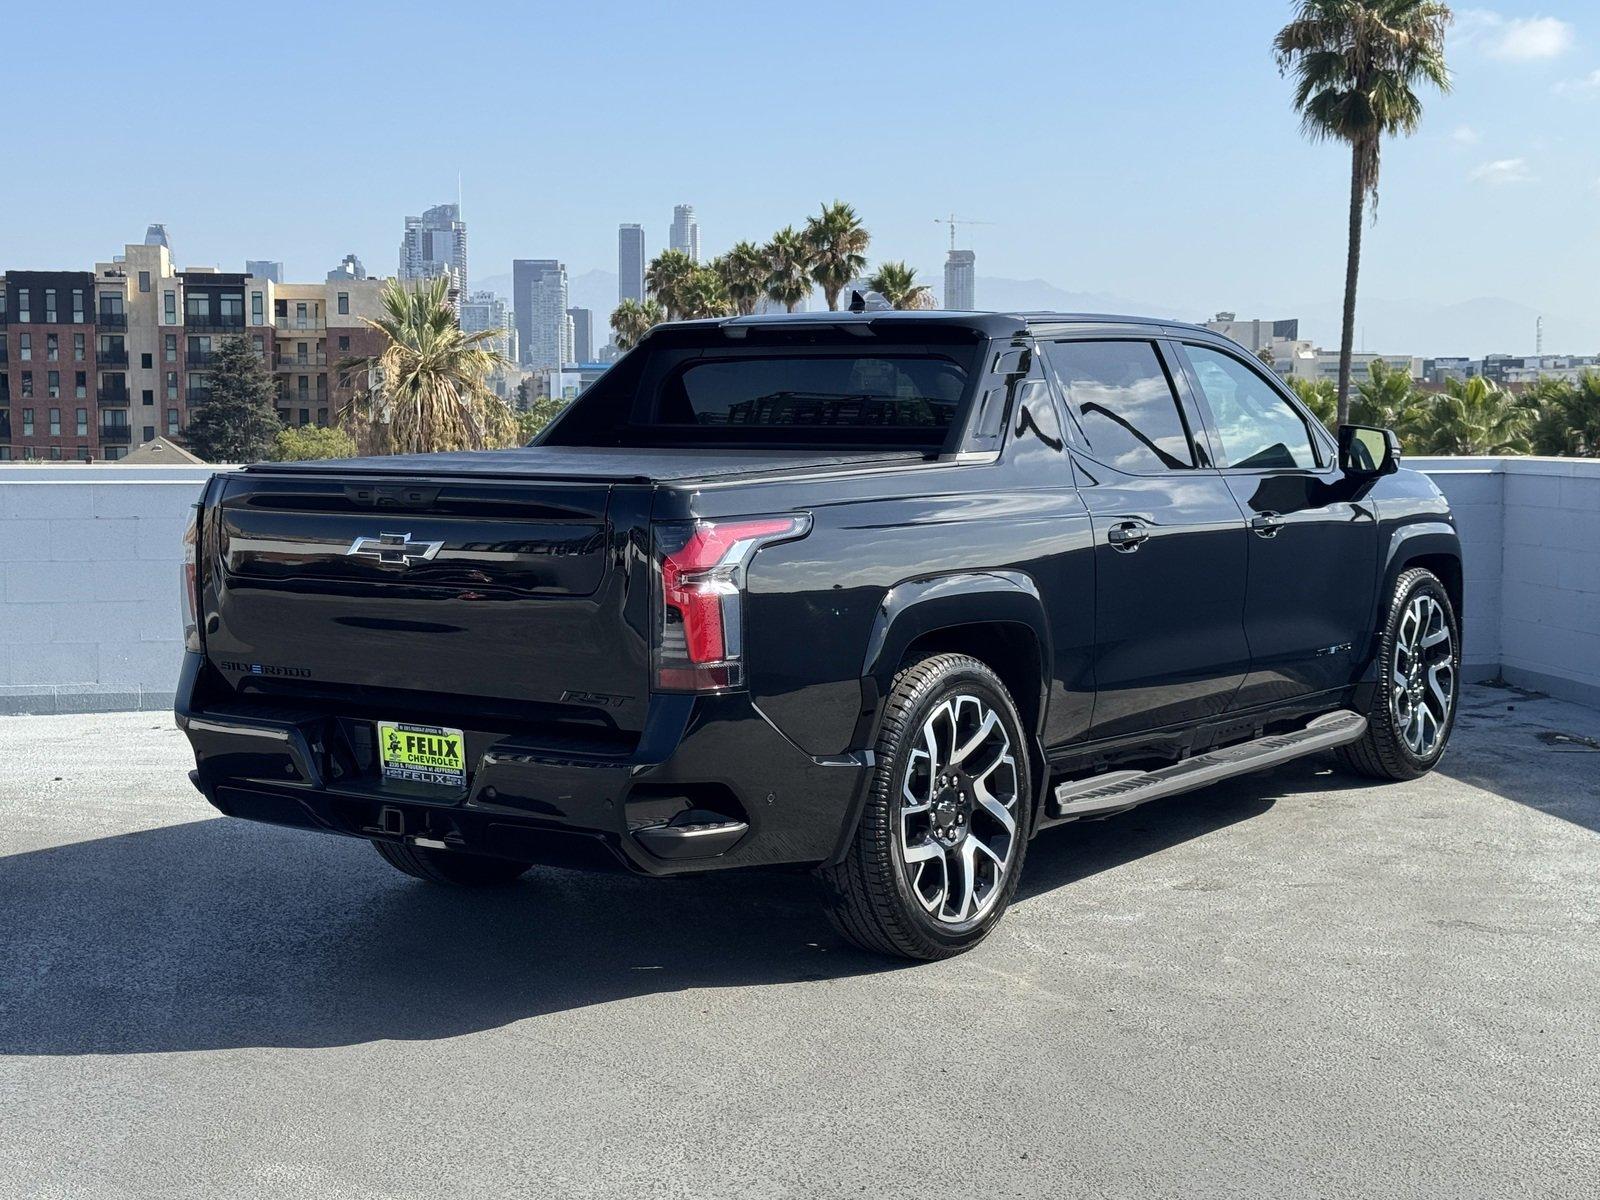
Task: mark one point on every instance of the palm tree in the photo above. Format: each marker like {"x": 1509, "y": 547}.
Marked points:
{"x": 744, "y": 275}
{"x": 631, "y": 320}
{"x": 666, "y": 276}
{"x": 703, "y": 294}
{"x": 1317, "y": 395}
{"x": 1386, "y": 399}
{"x": 897, "y": 283}
{"x": 788, "y": 257}
{"x": 1357, "y": 65}
{"x": 428, "y": 386}
{"x": 1568, "y": 416}
{"x": 838, "y": 243}
{"x": 1474, "y": 416}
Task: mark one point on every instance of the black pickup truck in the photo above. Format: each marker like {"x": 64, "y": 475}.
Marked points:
{"x": 880, "y": 595}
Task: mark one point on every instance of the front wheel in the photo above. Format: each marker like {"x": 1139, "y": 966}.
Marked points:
{"x": 450, "y": 866}
{"x": 1413, "y": 707}
{"x": 939, "y": 848}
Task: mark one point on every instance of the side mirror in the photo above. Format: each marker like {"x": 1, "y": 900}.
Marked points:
{"x": 1368, "y": 450}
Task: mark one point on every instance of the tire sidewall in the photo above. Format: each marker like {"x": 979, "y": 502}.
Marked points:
{"x": 1423, "y": 582}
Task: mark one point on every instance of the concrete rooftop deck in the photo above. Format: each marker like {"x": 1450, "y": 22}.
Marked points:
{"x": 1292, "y": 985}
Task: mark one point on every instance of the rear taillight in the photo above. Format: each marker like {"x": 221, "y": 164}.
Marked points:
{"x": 699, "y": 569}
{"x": 189, "y": 582}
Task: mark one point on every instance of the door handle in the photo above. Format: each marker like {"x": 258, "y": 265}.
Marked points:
{"x": 1126, "y": 536}
{"x": 1266, "y": 524}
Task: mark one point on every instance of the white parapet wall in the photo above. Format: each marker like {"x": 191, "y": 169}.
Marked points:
{"x": 89, "y": 559}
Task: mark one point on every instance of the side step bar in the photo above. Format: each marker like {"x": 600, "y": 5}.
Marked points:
{"x": 1124, "y": 789}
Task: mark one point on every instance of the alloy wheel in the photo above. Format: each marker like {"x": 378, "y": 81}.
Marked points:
{"x": 1423, "y": 675}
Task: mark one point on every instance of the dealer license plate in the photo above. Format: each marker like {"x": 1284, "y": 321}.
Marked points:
{"x": 422, "y": 754}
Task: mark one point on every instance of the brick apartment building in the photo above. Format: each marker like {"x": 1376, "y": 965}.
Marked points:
{"x": 95, "y": 363}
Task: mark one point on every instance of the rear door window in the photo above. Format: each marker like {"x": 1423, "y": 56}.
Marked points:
{"x": 1123, "y": 404}
{"x": 1255, "y": 427}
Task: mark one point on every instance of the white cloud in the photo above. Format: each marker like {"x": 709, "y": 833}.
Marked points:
{"x": 1589, "y": 85}
{"x": 1502, "y": 171}
{"x": 1465, "y": 135}
{"x": 1517, "y": 39}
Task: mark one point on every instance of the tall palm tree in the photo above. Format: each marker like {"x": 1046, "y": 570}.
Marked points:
{"x": 744, "y": 275}
{"x": 666, "y": 276}
{"x": 703, "y": 294}
{"x": 838, "y": 243}
{"x": 788, "y": 258}
{"x": 1474, "y": 416}
{"x": 428, "y": 386}
{"x": 1568, "y": 416}
{"x": 631, "y": 320}
{"x": 1386, "y": 398}
{"x": 897, "y": 283}
{"x": 1357, "y": 65}
{"x": 1318, "y": 396}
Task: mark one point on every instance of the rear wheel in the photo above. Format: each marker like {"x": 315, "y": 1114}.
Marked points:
{"x": 450, "y": 866}
{"x": 1413, "y": 707}
{"x": 936, "y": 857}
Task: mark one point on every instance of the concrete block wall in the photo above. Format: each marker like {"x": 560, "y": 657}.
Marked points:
{"x": 89, "y": 562}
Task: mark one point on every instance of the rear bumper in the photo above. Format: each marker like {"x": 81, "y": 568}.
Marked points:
{"x": 757, "y": 799}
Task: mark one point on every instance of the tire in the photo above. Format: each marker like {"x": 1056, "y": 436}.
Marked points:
{"x": 1395, "y": 747}
{"x": 450, "y": 866}
{"x": 933, "y": 865}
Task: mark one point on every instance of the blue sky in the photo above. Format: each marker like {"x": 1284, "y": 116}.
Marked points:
{"x": 1144, "y": 151}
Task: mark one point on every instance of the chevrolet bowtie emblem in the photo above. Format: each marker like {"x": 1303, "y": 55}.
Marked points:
{"x": 396, "y": 549}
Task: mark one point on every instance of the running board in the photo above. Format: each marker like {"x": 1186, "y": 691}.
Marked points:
{"x": 1124, "y": 789}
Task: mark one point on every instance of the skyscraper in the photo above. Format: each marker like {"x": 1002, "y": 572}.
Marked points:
{"x": 485, "y": 310}
{"x": 686, "y": 231}
{"x": 582, "y": 334}
{"x": 155, "y": 234}
{"x": 263, "y": 268}
{"x": 630, "y": 263}
{"x": 960, "y": 282}
{"x": 349, "y": 268}
{"x": 539, "y": 296}
{"x": 435, "y": 244}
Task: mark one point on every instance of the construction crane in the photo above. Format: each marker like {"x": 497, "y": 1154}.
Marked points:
{"x": 952, "y": 220}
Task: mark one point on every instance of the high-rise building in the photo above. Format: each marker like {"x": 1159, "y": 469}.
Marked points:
{"x": 349, "y": 268}
{"x": 263, "y": 268}
{"x": 155, "y": 234}
{"x": 960, "y": 281}
{"x": 582, "y": 334}
{"x": 485, "y": 310}
{"x": 630, "y": 263}
{"x": 435, "y": 244}
{"x": 685, "y": 231}
{"x": 539, "y": 296}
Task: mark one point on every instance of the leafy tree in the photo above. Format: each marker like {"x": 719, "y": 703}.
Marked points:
{"x": 1568, "y": 416}
{"x": 788, "y": 257}
{"x": 1357, "y": 65}
{"x": 667, "y": 275}
{"x": 897, "y": 283}
{"x": 631, "y": 320}
{"x": 539, "y": 413}
{"x": 837, "y": 244}
{"x": 1318, "y": 395}
{"x": 743, "y": 271}
{"x": 1387, "y": 398}
{"x": 239, "y": 419}
{"x": 1473, "y": 416}
{"x": 431, "y": 379}
{"x": 703, "y": 294}
{"x": 299, "y": 444}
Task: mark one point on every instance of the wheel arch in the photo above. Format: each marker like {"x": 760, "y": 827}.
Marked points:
{"x": 1433, "y": 545}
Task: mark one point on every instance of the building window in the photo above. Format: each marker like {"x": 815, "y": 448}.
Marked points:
{"x": 111, "y": 303}
{"x": 171, "y": 345}
{"x": 146, "y": 361}
{"x": 55, "y": 422}
{"x": 259, "y": 345}
{"x": 27, "y": 384}
{"x": 305, "y": 416}
{"x": 52, "y": 348}
{"x": 5, "y": 453}
{"x": 344, "y": 304}
{"x": 172, "y": 420}
{"x": 144, "y": 281}
{"x": 24, "y": 307}
{"x": 344, "y": 343}
{"x": 83, "y": 422}
{"x": 80, "y": 385}
{"x": 52, "y": 383}
{"x": 24, "y": 346}
{"x": 77, "y": 306}
{"x": 83, "y": 454}
{"x": 197, "y": 307}
{"x": 257, "y": 313}
{"x": 172, "y": 385}
{"x": 169, "y": 306}
{"x": 50, "y": 305}
{"x": 55, "y": 453}
{"x": 322, "y": 417}
{"x": 147, "y": 396}
{"x": 77, "y": 347}
{"x": 232, "y": 308}
{"x": 27, "y": 422}
{"x": 149, "y": 434}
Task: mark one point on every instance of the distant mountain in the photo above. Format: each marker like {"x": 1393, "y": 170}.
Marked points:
{"x": 1026, "y": 295}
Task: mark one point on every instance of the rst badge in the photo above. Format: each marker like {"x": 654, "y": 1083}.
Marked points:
{"x": 394, "y": 549}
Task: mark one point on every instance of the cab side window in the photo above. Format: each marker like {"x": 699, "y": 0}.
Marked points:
{"x": 1119, "y": 397}
{"x": 1253, "y": 424}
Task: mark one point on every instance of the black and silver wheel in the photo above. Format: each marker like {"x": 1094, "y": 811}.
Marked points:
{"x": 1414, "y": 705}
{"x": 450, "y": 866}
{"x": 936, "y": 857}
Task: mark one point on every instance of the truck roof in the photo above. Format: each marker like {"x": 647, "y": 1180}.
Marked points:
{"x": 992, "y": 324}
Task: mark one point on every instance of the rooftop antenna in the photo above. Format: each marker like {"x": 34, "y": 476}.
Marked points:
{"x": 1538, "y": 337}
{"x": 952, "y": 220}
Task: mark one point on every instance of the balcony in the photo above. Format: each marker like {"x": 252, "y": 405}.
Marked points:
{"x": 309, "y": 324}
{"x": 308, "y": 362}
{"x": 111, "y": 358}
{"x": 197, "y": 395}
{"x": 111, "y": 320}
{"x": 116, "y": 435}
{"x": 200, "y": 358}
{"x": 113, "y": 396}
{"x": 214, "y": 321}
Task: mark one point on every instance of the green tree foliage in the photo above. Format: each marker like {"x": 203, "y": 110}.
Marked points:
{"x": 1567, "y": 420}
{"x": 305, "y": 442}
{"x": 631, "y": 320}
{"x": 897, "y": 283}
{"x": 1357, "y": 67}
{"x": 788, "y": 257}
{"x": 1319, "y": 396}
{"x": 837, "y": 242}
{"x": 743, "y": 271}
{"x": 1472, "y": 416}
{"x": 667, "y": 277}
{"x": 703, "y": 294}
{"x": 238, "y": 420}
{"x": 1386, "y": 398}
{"x": 539, "y": 413}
